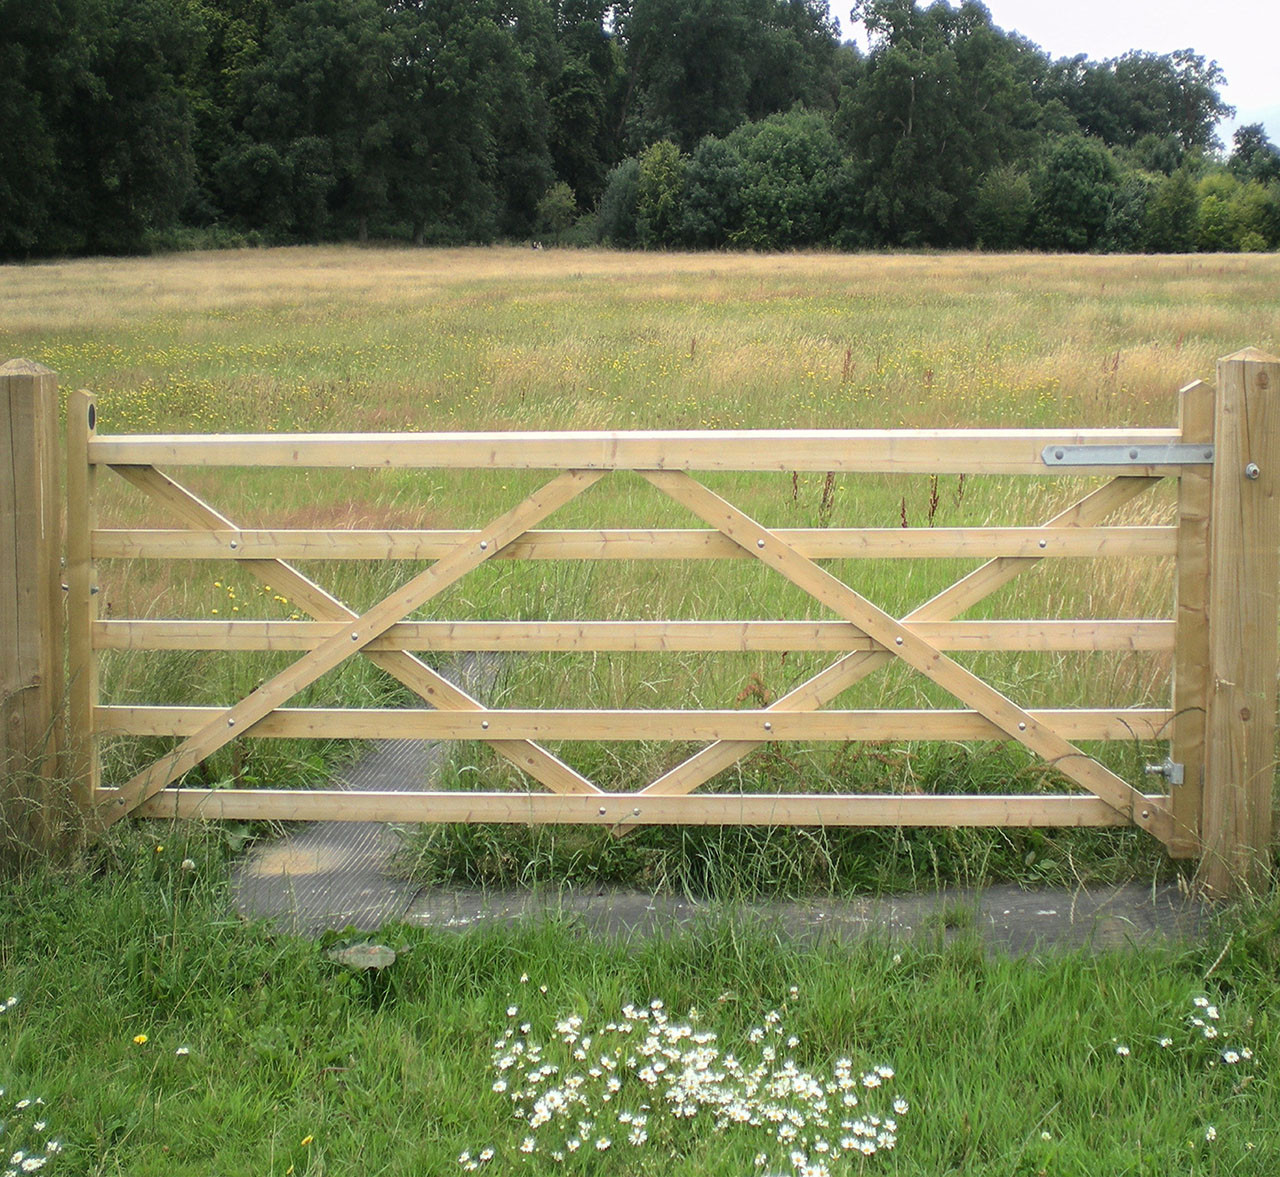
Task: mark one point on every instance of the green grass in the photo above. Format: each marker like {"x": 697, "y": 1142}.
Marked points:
{"x": 395, "y": 1076}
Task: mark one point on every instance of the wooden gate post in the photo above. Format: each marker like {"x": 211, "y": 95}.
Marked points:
{"x": 1244, "y": 567}
{"x": 33, "y": 807}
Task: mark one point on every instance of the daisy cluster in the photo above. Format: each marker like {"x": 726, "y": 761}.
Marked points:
{"x": 1203, "y": 1034}
{"x": 619, "y": 1085}
{"x": 25, "y": 1146}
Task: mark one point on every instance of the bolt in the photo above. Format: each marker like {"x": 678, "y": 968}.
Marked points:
{"x": 1059, "y": 454}
{"x": 484, "y": 723}
{"x": 760, "y": 543}
{"x": 355, "y": 637}
{"x": 1044, "y": 543}
{"x": 602, "y": 811}
{"x": 484, "y": 544}
{"x": 231, "y": 723}
{"x": 897, "y": 641}
{"x": 1022, "y": 727}
{"x": 1146, "y": 813}
{"x": 234, "y": 545}
{"x": 1133, "y": 453}
{"x": 1251, "y": 471}
{"x": 768, "y": 726}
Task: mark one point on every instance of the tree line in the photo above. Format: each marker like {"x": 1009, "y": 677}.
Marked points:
{"x": 134, "y": 124}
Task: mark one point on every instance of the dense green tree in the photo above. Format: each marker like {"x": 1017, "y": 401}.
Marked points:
{"x": 1171, "y": 215}
{"x": 123, "y": 123}
{"x": 1126, "y": 228}
{"x": 1254, "y": 156}
{"x": 703, "y": 67}
{"x": 1073, "y": 191}
{"x": 1003, "y": 205}
{"x": 944, "y": 97}
{"x": 712, "y": 209}
{"x": 790, "y": 166}
{"x": 557, "y": 210}
{"x": 1125, "y": 99}
{"x": 659, "y": 189}
{"x": 616, "y": 217}
{"x": 317, "y": 121}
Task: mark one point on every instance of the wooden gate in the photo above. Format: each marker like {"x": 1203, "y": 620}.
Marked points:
{"x": 1215, "y": 803}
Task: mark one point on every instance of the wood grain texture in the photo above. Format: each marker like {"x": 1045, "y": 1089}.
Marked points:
{"x": 1244, "y": 570}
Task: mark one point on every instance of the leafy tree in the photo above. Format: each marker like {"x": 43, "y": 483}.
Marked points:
{"x": 703, "y": 67}
{"x": 1074, "y": 187}
{"x": 1002, "y": 208}
{"x": 617, "y": 216}
{"x": 790, "y": 165}
{"x": 712, "y": 209}
{"x": 557, "y": 209}
{"x": 123, "y": 129}
{"x": 1171, "y": 215}
{"x": 943, "y": 98}
{"x": 1254, "y": 156}
{"x": 659, "y": 188}
{"x": 1125, "y": 99}
{"x": 1126, "y": 230}
{"x": 318, "y": 116}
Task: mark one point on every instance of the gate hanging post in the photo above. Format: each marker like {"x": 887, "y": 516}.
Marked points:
{"x": 33, "y": 808}
{"x": 1244, "y": 568}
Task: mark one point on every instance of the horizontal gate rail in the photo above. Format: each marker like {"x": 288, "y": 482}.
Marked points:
{"x": 622, "y": 810}
{"x": 1137, "y": 723}
{"x": 635, "y": 636}
{"x": 884, "y": 543}
{"x": 887, "y": 451}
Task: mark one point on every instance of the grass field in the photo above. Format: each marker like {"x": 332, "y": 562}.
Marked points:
{"x": 164, "y": 1037}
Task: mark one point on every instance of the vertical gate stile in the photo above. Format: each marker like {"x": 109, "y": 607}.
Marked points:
{"x": 82, "y": 601}
{"x": 1191, "y": 615}
{"x": 1244, "y": 568}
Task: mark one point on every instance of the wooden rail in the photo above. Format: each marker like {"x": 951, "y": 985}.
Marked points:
{"x": 1219, "y": 722}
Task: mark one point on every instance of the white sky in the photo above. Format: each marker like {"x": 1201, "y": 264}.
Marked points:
{"x": 1242, "y": 36}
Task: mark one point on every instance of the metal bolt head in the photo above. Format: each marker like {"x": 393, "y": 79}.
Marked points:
{"x": 768, "y": 726}
{"x": 760, "y": 543}
{"x": 1044, "y": 543}
{"x": 1251, "y": 471}
{"x": 1022, "y": 727}
{"x": 484, "y": 724}
{"x": 897, "y": 641}
{"x": 484, "y": 545}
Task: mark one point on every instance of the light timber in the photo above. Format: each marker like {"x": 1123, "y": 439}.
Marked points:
{"x": 1244, "y": 572}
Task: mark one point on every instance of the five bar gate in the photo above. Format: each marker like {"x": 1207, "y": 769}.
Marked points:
{"x": 1216, "y": 794}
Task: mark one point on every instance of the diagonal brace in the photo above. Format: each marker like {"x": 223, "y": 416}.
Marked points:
{"x": 433, "y": 688}
{"x": 905, "y": 643}
{"x": 829, "y": 683}
{"x": 331, "y": 652}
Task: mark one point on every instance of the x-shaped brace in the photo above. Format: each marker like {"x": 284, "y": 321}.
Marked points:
{"x": 361, "y": 630}
{"x": 898, "y": 639}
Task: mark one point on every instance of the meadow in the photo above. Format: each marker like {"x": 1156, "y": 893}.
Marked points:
{"x": 151, "y": 1032}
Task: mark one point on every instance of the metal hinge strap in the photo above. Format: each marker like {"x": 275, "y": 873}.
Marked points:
{"x": 1127, "y": 455}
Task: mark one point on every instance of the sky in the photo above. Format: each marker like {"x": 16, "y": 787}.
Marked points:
{"x": 1242, "y": 36}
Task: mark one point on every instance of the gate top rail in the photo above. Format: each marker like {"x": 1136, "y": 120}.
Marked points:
{"x": 890, "y": 451}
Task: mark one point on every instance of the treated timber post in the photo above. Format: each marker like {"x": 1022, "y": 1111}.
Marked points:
{"x": 32, "y": 805}
{"x": 1244, "y": 566}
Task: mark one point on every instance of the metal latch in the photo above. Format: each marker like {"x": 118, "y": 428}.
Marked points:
{"x": 1170, "y": 769}
{"x": 1127, "y": 455}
